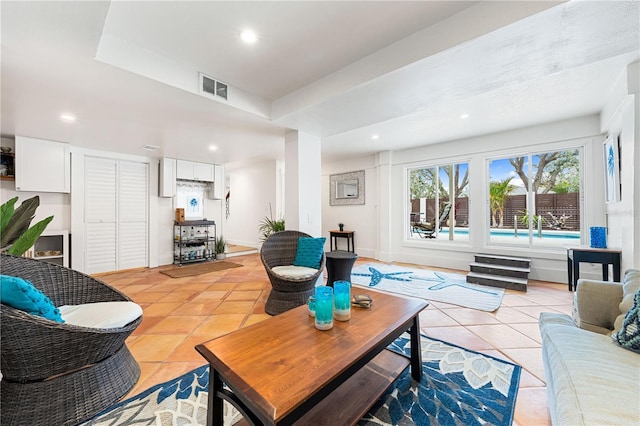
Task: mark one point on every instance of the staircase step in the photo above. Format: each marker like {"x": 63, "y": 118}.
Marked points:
{"x": 519, "y": 284}
{"x": 504, "y": 270}
{"x": 521, "y": 262}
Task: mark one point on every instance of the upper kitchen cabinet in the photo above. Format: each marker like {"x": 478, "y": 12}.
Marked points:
{"x": 167, "y": 185}
{"x": 42, "y": 166}
{"x": 191, "y": 170}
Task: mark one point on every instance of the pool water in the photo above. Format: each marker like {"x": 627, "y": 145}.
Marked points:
{"x": 575, "y": 235}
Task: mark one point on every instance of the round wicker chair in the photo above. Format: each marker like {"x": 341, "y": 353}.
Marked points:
{"x": 54, "y": 373}
{"x": 286, "y": 293}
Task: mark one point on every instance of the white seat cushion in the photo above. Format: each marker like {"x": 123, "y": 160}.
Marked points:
{"x": 101, "y": 314}
{"x": 294, "y": 272}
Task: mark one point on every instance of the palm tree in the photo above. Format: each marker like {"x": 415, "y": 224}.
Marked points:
{"x": 498, "y": 192}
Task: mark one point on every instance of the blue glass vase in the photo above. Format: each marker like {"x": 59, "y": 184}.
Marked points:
{"x": 598, "y": 236}
{"x": 324, "y": 308}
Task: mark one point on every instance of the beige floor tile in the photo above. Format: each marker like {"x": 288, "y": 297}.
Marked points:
{"x": 255, "y": 318}
{"x": 502, "y": 336}
{"x": 198, "y": 309}
{"x": 509, "y": 315}
{"x": 234, "y": 307}
{"x": 529, "y": 358}
{"x": 155, "y": 347}
{"x": 530, "y": 330}
{"x": 471, "y": 316}
{"x": 458, "y": 336}
{"x": 435, "y": 318}
{"x": 161, "y": 309}
{"x": 217, "y": 325}
{"x": 176, "y": 324}
{"x": 531, "y": 407}
{"x": 244, "y": 295}
{"x": 207, "y": 296}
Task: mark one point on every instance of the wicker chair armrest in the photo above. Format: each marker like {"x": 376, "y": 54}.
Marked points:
{"x": 34, "y": 348}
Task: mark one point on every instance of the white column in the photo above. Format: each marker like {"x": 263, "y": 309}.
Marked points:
{"x": 383, "y": 166}
{"x": 303, "y": 207}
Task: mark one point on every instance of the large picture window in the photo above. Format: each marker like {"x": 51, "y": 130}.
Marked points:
{"x": 534, "y": 199}
{"x": 439, "y": 202}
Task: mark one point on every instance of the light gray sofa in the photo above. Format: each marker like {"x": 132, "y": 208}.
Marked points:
{"x": 591, "y": 380}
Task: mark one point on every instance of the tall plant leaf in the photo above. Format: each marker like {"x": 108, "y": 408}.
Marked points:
{"x": 19, "y": 222}
{"x": 28, "y": 239}
{"x": 6, "y": 211}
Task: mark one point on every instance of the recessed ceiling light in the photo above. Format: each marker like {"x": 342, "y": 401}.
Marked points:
{"x": 213, "y": 148}
{"x": 67, "y": 117}
{"x": 374, "y": 137}
{"x": 464, "y": 116}
{"x": 249, "y": 36}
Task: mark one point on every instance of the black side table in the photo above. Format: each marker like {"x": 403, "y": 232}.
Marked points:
{"x": 334, "y": 235}
{"x": 606, "y": 257}
{"x": 339, "y": 264}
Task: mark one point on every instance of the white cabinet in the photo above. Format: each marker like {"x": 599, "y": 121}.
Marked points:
{"x": 216, "y": 191}
{"x": 167, "y": 177}
{"x": 191, "y": 170}
{"x": 42, "y": 166}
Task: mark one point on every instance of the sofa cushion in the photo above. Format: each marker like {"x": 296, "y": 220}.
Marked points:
{"x": 21, "y": 294}
{"x": 583, "y": 370}
{"x": 629, "y": 335}
{"x": 309, "y": 252}
{"x": 630, "y": 285}
{"x": 294, "y": 272}
{"x": 101, "y": 314}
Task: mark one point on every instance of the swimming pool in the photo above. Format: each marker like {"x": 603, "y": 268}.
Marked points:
{"x": 522, "y": 233}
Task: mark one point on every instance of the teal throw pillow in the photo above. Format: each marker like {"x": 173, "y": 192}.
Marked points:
{"x": 21, "y": 294}
{"x": 309, "y": 252}
{"x": 629, "y": 335}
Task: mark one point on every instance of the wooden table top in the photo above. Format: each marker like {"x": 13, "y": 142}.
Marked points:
{"x": 278, "y": 363}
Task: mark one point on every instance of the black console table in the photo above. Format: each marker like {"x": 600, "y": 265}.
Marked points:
{"x": 606, "y": 257}
{"x": 334, "y": 235}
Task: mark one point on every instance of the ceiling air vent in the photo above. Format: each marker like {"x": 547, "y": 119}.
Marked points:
{"x": 213, "y": 88}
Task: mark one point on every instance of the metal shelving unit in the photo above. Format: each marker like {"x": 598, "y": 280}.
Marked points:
{"x": 194, "y": 241}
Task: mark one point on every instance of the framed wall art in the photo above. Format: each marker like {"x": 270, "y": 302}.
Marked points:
{"x": 612, "y": 169}
{"x": 346, "y": 189}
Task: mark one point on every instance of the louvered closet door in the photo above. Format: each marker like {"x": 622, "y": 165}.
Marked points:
{"x": 100, "y": 210}
{"x": 116, "y": 194}
{"x": 132, "y": 215}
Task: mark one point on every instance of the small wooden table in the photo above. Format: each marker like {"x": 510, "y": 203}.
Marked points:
{"x": 282, "y": 370}
{"x": 334, "y": 235}
{"x": 606, "y": 257}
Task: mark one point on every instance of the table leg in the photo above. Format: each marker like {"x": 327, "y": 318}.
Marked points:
{"x": 570, "y": 271}
{"x": 605, "y": 271}
{"x": 616, "y": 268}
{"x": 416, "y": 350}
{"x": 576, "y": 271}
{"x": 215, "y": 415}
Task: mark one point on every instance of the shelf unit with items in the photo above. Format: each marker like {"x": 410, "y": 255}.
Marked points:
{"x": 52, "y": 247}
{"x": 194, "y": 241}
{"x": 7, "y": 166}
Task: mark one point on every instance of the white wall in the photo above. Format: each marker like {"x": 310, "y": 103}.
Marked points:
{"x": 253, "y": 188}
{"x": 620, "y": 118}
{"x": 387, "y": 217}
{"x": 360, "y": 218}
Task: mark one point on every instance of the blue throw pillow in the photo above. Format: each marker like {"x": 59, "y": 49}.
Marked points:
{"x": 21, "y": 294}
{"x": 309, "y": 252}
{"x": 629, "y": 336}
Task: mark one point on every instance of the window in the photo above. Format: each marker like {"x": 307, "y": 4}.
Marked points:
{"x": 534, "y": 199}
{"x": 432, "y": 214}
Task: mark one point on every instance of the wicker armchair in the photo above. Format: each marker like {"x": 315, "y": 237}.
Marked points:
{"x": 54, "y": 373}
{"x": 286, "y": 293}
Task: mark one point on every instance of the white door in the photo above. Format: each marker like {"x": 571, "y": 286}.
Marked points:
{"x": 116, "y": 214}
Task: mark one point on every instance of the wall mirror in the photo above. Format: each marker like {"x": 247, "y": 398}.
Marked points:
{"x": 346, "y": 188}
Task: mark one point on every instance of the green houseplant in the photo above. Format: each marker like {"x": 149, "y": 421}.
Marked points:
{"x": 269, "y": 225}
{"x": 16, "y": 233}
{"x": 221, "y": 247}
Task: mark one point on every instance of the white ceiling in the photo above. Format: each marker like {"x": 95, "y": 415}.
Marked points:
{"x": 339, "y": 70}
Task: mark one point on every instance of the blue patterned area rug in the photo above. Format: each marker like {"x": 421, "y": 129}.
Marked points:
{"x": 458, "y": 387}
{"x": 427, "y": 284}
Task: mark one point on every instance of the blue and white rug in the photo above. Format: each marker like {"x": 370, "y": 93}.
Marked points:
{"x": 458, "y": 387}
{"x": 429, "y": 285}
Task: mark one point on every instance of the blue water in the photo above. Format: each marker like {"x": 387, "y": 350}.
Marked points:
{"x": 521, "y": 233}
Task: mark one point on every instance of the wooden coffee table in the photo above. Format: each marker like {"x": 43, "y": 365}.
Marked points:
{"x": 283, "y": 370}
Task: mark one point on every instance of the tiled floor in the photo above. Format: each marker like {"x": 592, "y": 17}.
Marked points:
{"x": 180, "y": 313}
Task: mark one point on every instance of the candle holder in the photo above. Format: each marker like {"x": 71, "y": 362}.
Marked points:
{"x": 342, "y": 300}
{"x": 324, "y": 308}
{"x": 598, "y": 236}
{"x": 311, "y": 306}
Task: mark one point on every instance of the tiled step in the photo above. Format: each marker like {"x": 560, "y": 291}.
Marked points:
{"x": 512, "y": 283}
{"x": 503, "y": 270}
{"x": 519, "y": 262}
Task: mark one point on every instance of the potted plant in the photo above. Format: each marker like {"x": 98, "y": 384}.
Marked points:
{"x": 341, "y": 226}
{"x": 221, "y": 247}
{"x": 269, "y": 225}
{"x": 17, "y": 236}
